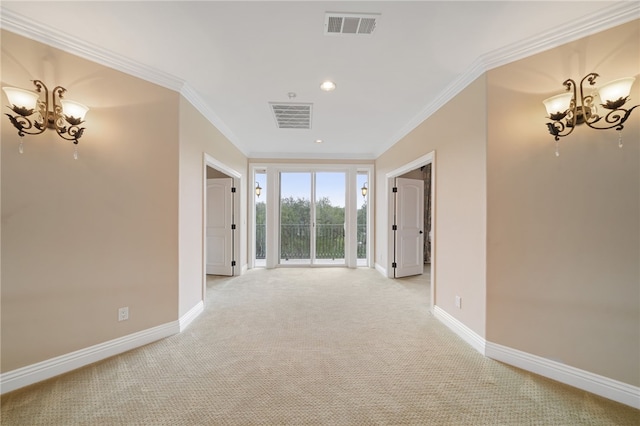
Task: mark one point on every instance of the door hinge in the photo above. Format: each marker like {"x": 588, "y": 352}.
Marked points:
{"x": 233, "y": 226}
{"x": 395, "y": 189}
{"x": 394, "y": 265}
{"x": 233, "y": 189}
{"x": 394, "y": 227}
{"x": 233, "y": 263}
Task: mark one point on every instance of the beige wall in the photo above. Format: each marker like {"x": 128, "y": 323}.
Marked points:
{"x": 197, "y": 137}
{"x": 563, "y": 279}
{"x": 460, "y": 205}
{"x": 82, "y": 238}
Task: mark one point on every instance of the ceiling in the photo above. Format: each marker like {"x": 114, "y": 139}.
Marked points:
{"x": 232, "y": 59}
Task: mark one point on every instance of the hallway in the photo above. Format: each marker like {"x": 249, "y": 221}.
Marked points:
{"x": 301, "y": 346}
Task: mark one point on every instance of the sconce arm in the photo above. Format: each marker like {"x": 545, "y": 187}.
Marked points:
{"x": 614, "y": 119}
{"x": 67, "y": 129}
{"x": 561, "y": 126}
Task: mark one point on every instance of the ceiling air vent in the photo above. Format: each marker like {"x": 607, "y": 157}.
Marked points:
{"x": 350, "y": 23}
{"x": 292, "y": 115}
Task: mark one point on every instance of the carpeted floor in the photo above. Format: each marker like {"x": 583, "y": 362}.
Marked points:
{"x": 326, "y": 346}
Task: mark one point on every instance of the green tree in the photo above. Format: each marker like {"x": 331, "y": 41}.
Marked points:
{"x": 295, "y": 211}
{"x": 295, "y": 228}
{"x": 330, "y": 222}
{"x": 326, "y": 214}
{"x": 295, "y": 220}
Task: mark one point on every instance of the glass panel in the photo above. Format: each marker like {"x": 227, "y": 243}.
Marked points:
{"x": 362, "y": 218}
{"x": 260, "y": 194}
{"x": 295, "y": 218}
{"x": 330, "y": 219}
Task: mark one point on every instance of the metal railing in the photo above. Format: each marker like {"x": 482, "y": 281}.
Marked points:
{"x": 295, "y": 241}
{"x": 261, "y": 241}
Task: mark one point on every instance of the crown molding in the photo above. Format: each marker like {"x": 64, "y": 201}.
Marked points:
{"x": 198, "y": 103}
{"x": 20, "y": 25}
{"x": 617, "y": 14}
{"x": 310, "y": 156}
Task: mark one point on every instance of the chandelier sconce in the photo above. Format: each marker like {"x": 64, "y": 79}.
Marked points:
{"x": 568, "y": 110}
{"x": 33, "y": 116}
{"x": 258, "y": 190}
{"x": 364, "y": 190}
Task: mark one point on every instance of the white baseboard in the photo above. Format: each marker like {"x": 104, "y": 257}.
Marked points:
{"x": 581, "y": 379}
{"x": 40, "y": 371}
{"x": 381, "y": 269}
{"x": 192, "y": 314}
{"x": 468, "y": 335}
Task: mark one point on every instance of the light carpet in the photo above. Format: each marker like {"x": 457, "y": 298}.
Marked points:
{"x": 325, "y": 346}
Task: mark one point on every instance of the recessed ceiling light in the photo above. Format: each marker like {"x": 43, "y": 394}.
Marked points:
{"x": 318, "y": 140}
{"x": 327, "y": 86}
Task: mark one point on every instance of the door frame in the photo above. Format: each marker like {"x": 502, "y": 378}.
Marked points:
{"x": 240, "y": 233}
{"x": 429, "y": 158}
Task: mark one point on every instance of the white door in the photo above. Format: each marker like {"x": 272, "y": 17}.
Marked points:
{"x": 219, "y": 218}
{"x": 409, "y": 234}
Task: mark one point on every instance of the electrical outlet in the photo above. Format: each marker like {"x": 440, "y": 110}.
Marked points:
{"x": 458, "y": 302}
{"x": 123, "y": 314}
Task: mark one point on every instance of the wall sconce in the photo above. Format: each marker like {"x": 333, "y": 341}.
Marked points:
{"x": 64, "y": 117}
{"x": 258, "y": 190}
{"x": 567, "y": 110}
{"x": 364, "y": 190}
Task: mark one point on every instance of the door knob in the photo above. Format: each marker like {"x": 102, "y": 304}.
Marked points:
{"x": 421, "y": 231}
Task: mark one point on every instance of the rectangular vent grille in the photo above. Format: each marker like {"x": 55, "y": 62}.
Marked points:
{"x": 292, "y": 115}
{"x": 349, "y": 23}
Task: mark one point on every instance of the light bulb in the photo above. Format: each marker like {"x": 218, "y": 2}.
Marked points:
{"x": 328, "y": 86}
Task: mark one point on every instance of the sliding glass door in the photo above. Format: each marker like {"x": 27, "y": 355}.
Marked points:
{"x": 329, "y": 218}
{"x": 295, "y": 218}
{"x": 312, "y": 218}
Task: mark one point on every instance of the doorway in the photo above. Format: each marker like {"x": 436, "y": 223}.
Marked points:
{"x": 414, "y": 169}
{"x": 214, "y": 169}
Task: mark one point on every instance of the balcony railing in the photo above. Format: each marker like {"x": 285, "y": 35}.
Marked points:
{"x": 295, "y": 241}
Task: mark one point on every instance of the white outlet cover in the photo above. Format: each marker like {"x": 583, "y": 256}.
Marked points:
{"x": 123, "y": 314}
